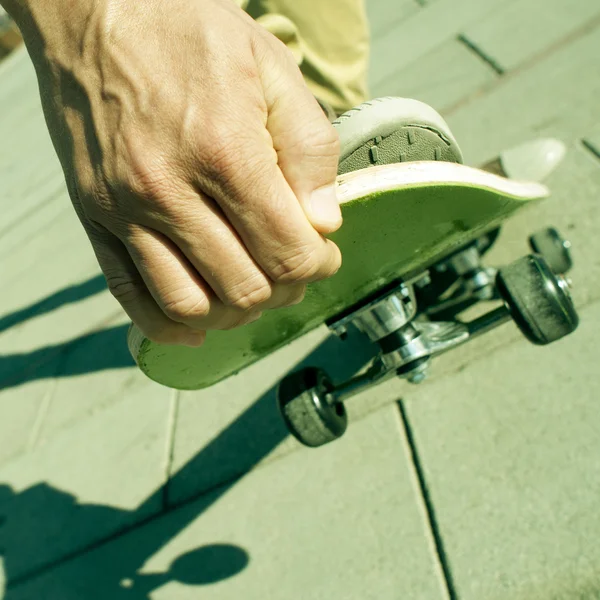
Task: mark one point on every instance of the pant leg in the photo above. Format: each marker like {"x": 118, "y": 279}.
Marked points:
{"x": 330, "y": 39}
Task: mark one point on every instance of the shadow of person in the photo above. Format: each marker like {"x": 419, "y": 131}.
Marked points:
{"x": 68, "y": 295}
{"x": 44, "y": 521}
{"x": 43, "y": 516}
{"x": 259, "y": 429}
{"x": 203, "y": 566}
{"x": 98, "y": 351}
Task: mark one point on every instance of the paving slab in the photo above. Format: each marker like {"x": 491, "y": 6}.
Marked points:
{"x": 385, "y": 15}
{"x": 19, "y": 410}
{"x": 423, "y": 32}
{"x": 555, "y": 97}
{"x": 509, "y": 449}
{"x": 112, "y": 465}
{"x": 520, "y": 32}
{"x": 46, "y": 241}
{"x": 55, "y": 300}
{"x": 441, "y": 77}
{"x": 29, "y": 168}
{"x": 30, "y": 178}
{"x": 53, "y": 365}
{"x": 95, "y": 372}
{"x": 58, "y": 315}
{"x": 339, "y": 522}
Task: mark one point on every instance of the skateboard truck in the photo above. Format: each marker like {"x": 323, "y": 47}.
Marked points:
{"x": 461, "y": 280}
{"x": 534, "y": 295}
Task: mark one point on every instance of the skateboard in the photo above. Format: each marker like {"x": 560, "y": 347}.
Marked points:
{"x": 412, "y": 242}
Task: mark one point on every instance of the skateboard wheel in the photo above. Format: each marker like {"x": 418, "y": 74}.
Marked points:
{"x": 556, "y": 250}
{"x": 308, "y": 413}
{"x": 538, "y": 300}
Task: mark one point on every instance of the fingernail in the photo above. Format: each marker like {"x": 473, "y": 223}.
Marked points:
{"x": 195, "y": 339}
{"x": 253, "y": 318}
{"x": 325, "y": 207}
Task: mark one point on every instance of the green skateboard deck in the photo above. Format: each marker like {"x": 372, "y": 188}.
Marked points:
{"x": 399, "y": 219}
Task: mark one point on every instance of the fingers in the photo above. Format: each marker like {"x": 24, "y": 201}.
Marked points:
{"x": 214, "y": 249}
{"x": 306, "y": 143}
{"x": 176, "y": 287}
{"x": 160, "y": 293}
{"x": 159, "y": 277}
{"x": 126, "y": 285}
{"x": 263, "y": 209}
{"x": 244, "y": 178}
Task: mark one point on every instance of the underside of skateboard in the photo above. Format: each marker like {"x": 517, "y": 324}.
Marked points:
{"x": 413, "y": 320}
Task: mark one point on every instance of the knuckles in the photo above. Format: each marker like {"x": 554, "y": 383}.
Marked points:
{"x": 142, "y": 175}
{"x": 321, "y": 143}
{"x": 146, "y": 175}
{"x": 162, "y": 335}
{"x": 302, "y": 266}
{"x": 124, "y": 289}
{"x": 187, "y": 309}
{"x": 246, "y": 298}
{"x": 221, "y": 154}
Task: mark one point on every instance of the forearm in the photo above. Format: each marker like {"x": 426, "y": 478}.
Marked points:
{"x": 48, "y": 26}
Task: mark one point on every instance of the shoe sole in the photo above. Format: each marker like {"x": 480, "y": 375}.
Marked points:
{"x": 391, "y": 130}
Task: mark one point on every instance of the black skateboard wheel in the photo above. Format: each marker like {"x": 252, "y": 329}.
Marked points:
{"x": 308, "y": 413}
{"x": 554, "y": 248}
{"x": 538, "y": 300}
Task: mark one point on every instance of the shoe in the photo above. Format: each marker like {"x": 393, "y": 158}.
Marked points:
{"x": 531, "y": 161}
{"x": 393, "y": 130}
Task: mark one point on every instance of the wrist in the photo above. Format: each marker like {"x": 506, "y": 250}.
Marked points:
{"x": 44, "y": 23}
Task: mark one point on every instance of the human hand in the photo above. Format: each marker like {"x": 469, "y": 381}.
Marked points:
{"x": 198, "y": 162}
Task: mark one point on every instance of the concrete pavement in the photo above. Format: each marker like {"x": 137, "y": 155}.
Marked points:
{"x": 481, "y": 484}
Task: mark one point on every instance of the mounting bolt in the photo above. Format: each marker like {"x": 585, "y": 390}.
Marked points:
{"x": 415, "y": 372}
{"x": 417, "y": 378}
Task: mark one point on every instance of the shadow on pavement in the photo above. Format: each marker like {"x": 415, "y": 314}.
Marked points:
{"x": 40, "y": 526}
{"x": 40, "y": 513}
{"x": 68, "y": 295}
{"x": 98, "y": 351}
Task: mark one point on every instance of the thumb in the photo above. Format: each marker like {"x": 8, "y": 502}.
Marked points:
{"x": 306, "y": 143}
